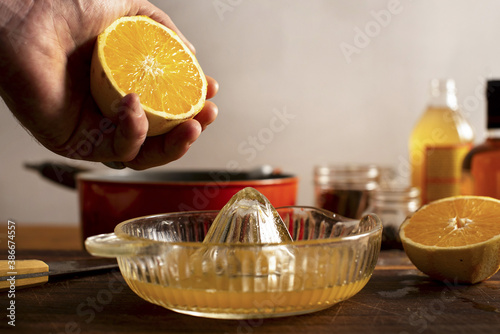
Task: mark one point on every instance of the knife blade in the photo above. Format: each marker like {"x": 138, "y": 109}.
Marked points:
{"x": 23, "y": 273}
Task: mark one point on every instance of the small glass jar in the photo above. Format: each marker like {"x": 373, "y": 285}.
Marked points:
{"x": 345, "y": 189}
{"x": 393, "y": 205}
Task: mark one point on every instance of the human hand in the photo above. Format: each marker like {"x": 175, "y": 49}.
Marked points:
{"x": 45, "y": 55}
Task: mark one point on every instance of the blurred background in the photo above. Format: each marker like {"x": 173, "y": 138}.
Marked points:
{"x": 302, "y": 83}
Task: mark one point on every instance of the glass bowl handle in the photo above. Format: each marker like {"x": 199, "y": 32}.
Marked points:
{"x": 111, "y": 245}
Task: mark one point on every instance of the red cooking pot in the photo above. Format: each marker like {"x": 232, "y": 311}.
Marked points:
{"x": 110, "y": 197}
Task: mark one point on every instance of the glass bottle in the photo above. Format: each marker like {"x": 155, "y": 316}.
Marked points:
{"x": 481, "y": 166}
{"x": 345, "y": 189}
{"x": 438, "y": 144}
{"x": 392, "y": 204}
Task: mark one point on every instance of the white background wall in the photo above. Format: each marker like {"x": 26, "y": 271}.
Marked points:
{"x": 356, "y": 105}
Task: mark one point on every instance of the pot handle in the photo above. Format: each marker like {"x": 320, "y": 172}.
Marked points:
{"x": 60, "y": 173}
{"x": 111, "y": 245}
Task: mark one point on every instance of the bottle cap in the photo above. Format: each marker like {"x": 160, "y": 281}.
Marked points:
{"x": 493, "y": 97}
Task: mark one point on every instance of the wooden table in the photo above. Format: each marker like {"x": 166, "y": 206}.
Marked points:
{"x": 397, "y": 299}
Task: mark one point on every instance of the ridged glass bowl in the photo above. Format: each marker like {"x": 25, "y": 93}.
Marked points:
{"x": 164, "y": 260}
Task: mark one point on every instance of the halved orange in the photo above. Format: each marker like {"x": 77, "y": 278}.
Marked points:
{"x": 138, "y": 55}
{"x": 455, "y": 238}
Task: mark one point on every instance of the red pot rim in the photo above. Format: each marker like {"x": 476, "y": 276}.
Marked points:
{"x": 177, "y": 177}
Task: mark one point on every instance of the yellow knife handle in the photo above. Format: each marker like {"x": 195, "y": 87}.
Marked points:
{"x": 22, "y": 273}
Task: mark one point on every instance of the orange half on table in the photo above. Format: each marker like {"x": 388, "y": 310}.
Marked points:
{"x": 455, "y": 238}
{"x": 138, "y": 55}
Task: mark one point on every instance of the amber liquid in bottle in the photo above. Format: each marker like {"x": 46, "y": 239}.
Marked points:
{"x": 481, "y": 167}
{"x": 438, "y": 145}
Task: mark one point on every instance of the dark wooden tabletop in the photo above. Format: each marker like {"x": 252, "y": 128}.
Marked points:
{"x": 397, "y": 299}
